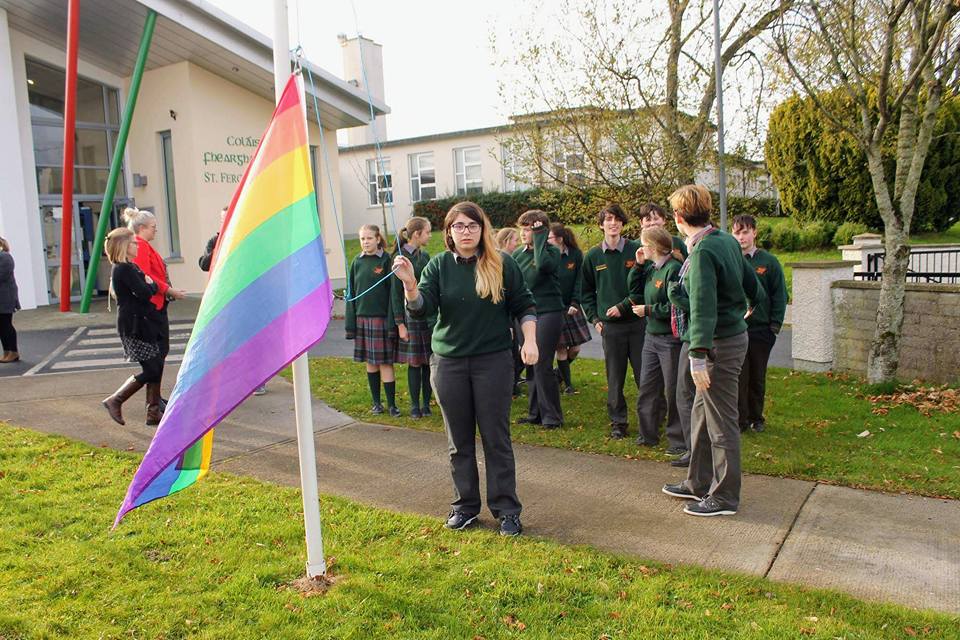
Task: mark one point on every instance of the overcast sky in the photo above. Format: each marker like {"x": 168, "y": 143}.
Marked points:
{"x": 439, "y": 70}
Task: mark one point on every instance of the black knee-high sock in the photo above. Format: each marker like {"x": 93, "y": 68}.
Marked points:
{"x": 373, "y": 380}
{"x": 391, "y": 389}
{"x": 564, "y": 367}
{"x": 413, "y": 380}
{"x": 427, "y": 389}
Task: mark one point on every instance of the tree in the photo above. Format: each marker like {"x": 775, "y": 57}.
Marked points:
{"x": 897, "y": 60}
{"x": 627, "y": 89}
{"x": 821, "y": 172}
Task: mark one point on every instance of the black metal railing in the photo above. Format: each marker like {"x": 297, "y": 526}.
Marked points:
{"x": 940, "y": 266}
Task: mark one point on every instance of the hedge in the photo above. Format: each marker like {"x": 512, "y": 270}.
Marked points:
{"x": 821, "y": 172}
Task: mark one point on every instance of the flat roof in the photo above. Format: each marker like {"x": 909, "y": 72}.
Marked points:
{"x": 466, "y": 133}
{"x": 186, "y": 30}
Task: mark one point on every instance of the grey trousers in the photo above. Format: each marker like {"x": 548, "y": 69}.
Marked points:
{"x": 475, "y": 392}
{"x": 544, "y": 401}
{"x": 715, "y": 431}
{"x": 686, "y": 392}
{"x": 658, "y": 375}
{"x": 622, "y": 343}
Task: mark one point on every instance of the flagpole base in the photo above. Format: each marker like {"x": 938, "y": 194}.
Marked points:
{"x": 317, "y": 570}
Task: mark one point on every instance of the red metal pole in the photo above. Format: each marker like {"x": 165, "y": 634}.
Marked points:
{"x": 69, "y": 128}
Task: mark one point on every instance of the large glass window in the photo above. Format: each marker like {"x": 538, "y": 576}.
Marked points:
{"x": 96, "y": 130}
{"x": 467, "y": 168}
{"x": 423, "y": 177}
{"x": 170, "y": 193}
{"x": 379, "y": 182}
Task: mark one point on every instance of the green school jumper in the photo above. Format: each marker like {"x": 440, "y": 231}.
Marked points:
{"x": 364, "y": 272}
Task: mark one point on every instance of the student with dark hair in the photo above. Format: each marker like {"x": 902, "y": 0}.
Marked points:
{"x": 652, "y": 215}
{"x": 207, "y": 257}
{"x": 482, "y": 292}
{"x": 714, "y": 280}
{"x": 369, "y": 320}
{"x": 608, "y": 304}
{"x": 414, "y": 333}
{"x": 763, "y": 324}
{"x": 575, "y": 331}
{"x": 661, "y": 349}
{"x": 539, "y": 262}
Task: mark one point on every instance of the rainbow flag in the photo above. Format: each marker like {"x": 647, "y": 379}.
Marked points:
{"x": 268, "y": 300}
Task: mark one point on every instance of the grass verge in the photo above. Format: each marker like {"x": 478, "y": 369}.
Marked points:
{"x": 815, "y": 427}
{"x": 217, "y": 561}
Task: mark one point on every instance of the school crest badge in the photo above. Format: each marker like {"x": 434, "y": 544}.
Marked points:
{"x": 658, "y": 284}
{"x": 761, "y": 271}
{"x": 571, "y": 266}
{"x": 629, "y": 264}
{"x": 378, "y": 270}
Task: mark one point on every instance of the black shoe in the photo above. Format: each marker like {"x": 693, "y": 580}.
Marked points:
{"x": 552, "y": 426}
{"x": 528, "y": 420}
{"x": 679, "y": 491}
{"x": 759, "y": 426}
{"x": 394, "y": 412}
{"x": 618, "y": 432}
{"x": 516, "y": 390}
{"x": 571, "y": 390}
{"x": 425, "y": 411}
{"x": 459, "y": 521}
{"x": 709, "y": 506}
{"x": 415, "y": 412}
{"x": 676, "y": 451}
{"x": 682, "y": 461}
{"x": 645, "y": 443}
{"x": 376, "y": 409}
{"x": 510, "y": 526}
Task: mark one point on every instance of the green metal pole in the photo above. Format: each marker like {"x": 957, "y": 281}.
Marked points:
{"x": 108, "y": 194}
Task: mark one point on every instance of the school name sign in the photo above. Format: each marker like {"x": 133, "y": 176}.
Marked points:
{"x": 226, "y": 167}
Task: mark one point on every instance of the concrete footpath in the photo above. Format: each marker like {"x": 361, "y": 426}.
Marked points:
{"x": 892, "y": 548}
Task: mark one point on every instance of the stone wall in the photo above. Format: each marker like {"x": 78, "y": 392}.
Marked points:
{"x": 930, "y": 346}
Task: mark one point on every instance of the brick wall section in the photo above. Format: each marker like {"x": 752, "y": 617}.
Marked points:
{"x": 930, "y": 345}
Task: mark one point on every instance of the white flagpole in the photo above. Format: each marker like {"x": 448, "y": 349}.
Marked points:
{"x": 316, "y": 563}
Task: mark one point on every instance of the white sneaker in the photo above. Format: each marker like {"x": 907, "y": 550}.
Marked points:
{"x": 261, "y": 390}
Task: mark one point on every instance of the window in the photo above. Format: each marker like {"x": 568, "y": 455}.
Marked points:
{"x": 97, "y": 127}
{"x": 423, "y": 177}
{"x": 512, "y": 169}
{"x": 379, "y": 182}
{"x": 569, "y": 163}
{"x": 467, "y": 169}
{"x": 170, "y": 193}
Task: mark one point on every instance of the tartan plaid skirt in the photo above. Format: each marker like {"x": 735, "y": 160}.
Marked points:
{"x": 373, "y": 343}
{"x": 574, "y": 331}
{"x": 415, "y": 350}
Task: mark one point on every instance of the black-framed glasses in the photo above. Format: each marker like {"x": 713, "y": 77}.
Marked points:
{"x": 460, "y": 227}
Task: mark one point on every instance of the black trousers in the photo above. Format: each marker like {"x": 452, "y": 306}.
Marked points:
{"x": 475, "y": 393}
{"x": 753, "y": 376}
{"x": 8, "y": 335}
{"x": 686, "y": 392}
{"x": 622, "y": 343}
{"x": 152, "y": 371}
{"x": 544, "y": 400}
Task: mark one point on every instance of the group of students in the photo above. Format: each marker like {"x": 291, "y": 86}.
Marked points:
{"x": 695, "y": 319}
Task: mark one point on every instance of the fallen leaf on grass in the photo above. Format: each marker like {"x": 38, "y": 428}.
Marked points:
{"x": 864, "y": 434}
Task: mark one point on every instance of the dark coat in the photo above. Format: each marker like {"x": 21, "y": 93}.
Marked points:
{"x": 137, "y": 317}
{"x": 9, "y": 299}
{"x": 207, "y": 256}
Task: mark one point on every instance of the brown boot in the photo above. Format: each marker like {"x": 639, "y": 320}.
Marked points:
{"x": 153, "y": 404}
{"x": 121, "y": 395}
{"x": 10, "y": 356}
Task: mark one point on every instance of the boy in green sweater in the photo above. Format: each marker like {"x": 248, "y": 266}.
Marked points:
{"x": 713, "y": 278}
{"x": 652, "y": 215}
{"x": 763, "y": 324}
{"x": 608, "y": 304}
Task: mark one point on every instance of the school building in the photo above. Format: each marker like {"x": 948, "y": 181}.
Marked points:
{"x": 206, "y": 97}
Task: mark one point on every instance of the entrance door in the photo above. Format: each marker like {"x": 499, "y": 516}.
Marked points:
{"x": 86, "y": 216}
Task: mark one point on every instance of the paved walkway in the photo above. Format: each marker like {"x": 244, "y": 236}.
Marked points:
{"x": 892, "y": 548}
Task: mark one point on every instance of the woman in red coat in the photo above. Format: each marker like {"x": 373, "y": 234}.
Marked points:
{"x": 144, "y": 225}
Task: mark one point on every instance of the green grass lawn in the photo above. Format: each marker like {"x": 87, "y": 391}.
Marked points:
{"x": 813, "y": 422}
{"x": 216, "y": 560}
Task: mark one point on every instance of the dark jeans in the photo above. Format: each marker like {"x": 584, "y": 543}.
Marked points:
{"x": 686, "y": 392}
{"x": 544, "y": 400}
{"x": 8, "y": 335}
{"x": 753, "y": 377}
{"x": 474, "y": 392}
{"x": 715, "y": 433}
{"x": 622, "y": 343}
{"x": 658, "y": 376}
